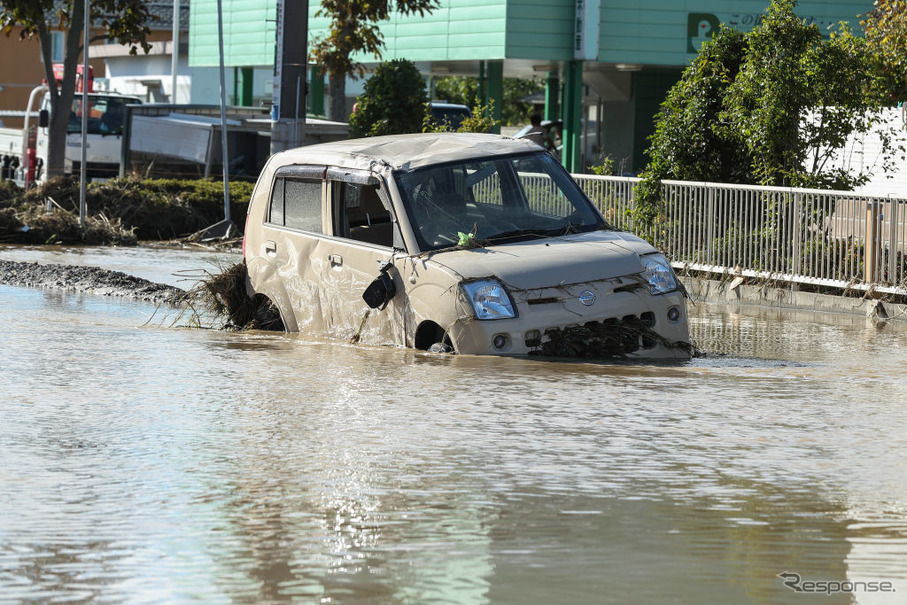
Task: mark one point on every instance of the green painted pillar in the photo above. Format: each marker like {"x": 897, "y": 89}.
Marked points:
{"x": 248, "y": 86}
{"x": 573, "y": 108}
{"x": 316, "y": 91}
{"x": 552, "y": 96}
{"x": 494, "y": 90}
{"x": 481, "y": 88}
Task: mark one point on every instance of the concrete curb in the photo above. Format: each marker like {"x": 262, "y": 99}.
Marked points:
{"x": 713, "y": 291}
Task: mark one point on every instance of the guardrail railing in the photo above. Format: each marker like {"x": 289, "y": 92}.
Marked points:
{"x": 836, "y": 239}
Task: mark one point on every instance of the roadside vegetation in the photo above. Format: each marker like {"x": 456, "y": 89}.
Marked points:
{"x": 774, "y": 107}
{"x": 121, "y": 211}
{"x": 770, "y": 107}
{"x": 354, "y": 28}
{"x": 395, "y": 101}
{"x": 465, "y": 91}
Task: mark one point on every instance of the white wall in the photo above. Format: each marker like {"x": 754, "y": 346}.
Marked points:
{"x": 865, "y": 153}
{"x": 127, "y": 74}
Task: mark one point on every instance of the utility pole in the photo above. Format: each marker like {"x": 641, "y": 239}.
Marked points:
{"x": 83, "y": 157}
{"x": 290, "y": 61}
{"x": 175, "y": 54}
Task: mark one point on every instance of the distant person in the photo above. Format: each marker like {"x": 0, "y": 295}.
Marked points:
{"x": 537, "y": 134}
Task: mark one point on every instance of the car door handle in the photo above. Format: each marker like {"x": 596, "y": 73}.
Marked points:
{"x": 336, "y": 260}
{"x": 270, "y": 247}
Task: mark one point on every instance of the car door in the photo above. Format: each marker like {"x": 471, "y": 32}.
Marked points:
{"x": 293, "y": 236}
{"x": 364, "y": 233}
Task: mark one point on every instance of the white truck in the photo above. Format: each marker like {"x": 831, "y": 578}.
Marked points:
{"x": 23, "y": 151}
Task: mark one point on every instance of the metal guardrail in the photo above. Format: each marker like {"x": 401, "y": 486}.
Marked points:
{"x": 836, "y": 239}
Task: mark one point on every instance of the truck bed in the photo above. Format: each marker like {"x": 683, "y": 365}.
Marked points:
{"x": 11, "y": 141}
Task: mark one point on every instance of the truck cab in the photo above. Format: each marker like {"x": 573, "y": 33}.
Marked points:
{"x": 106, "y": 121}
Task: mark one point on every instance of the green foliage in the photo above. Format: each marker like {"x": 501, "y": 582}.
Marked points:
{"x": 354, "y": 29}
{"x": 885, "y": 31}
{"x": 769, "y": 107}
{"x": 797, "y": 98}
{"x": 606, "y": 168}
{"x": 690, "y": 142}
{"x": 123, "y": 21}
{"x": 457, "y": 89}
{"x": 154, "y": 208}
{"x": 465, "y": 91}
{"x": 481, "y": 120}
{"x": 393, "y": 101}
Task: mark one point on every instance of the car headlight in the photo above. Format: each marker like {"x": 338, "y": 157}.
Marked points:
{"x": 659, "y": 274}
{"x": 489, "y": 299}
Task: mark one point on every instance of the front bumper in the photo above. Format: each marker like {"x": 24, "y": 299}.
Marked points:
{"x": 621, "y": 322}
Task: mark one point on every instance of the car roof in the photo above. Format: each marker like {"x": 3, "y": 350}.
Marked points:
{"x": 446, "y": 105}
{"x": 405, "y": 151}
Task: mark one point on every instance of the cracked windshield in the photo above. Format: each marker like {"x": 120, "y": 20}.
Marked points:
{"x": 494, "y": 202}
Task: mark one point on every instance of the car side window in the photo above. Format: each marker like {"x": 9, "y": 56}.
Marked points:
{"x": 296, "y": 203}
{"x": 363, "y": 217}
{"x": 275, "y": 212}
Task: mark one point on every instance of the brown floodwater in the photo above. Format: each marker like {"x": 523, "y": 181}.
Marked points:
{"x": 146, "y": 462}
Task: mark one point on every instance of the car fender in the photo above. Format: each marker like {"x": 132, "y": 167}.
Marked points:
{"x": 262, "y": 278}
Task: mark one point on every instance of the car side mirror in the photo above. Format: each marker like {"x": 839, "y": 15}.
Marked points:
{"x": 43, "y": 118}
{"x": 381, "y": 291}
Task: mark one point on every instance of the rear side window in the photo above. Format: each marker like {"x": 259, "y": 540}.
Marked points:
{"x": 296, "y": 203}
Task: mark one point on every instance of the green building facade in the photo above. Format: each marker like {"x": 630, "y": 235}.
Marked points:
{"x": 607, "y": 64}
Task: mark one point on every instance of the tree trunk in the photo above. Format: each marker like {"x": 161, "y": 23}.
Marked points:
{"x": 337, "y": 92}
{"x": 61, "y": 99}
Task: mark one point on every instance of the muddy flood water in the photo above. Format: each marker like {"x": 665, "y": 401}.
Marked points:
{"x": 143, "y": 462}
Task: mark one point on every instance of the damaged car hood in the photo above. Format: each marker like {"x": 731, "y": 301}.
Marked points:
{"x": 551, "y": 261}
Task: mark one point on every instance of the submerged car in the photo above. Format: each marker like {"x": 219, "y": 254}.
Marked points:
{"x": 468, "y": 243}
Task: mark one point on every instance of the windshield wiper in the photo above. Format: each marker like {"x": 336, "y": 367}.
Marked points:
{"x": 518, "y": 233}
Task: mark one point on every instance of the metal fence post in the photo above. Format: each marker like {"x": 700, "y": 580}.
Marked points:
{"x": 799, "y": 231}
{"x": 710, "y": 226}
{"x": 870, "y": 246}
{"x": 893, "y": 277}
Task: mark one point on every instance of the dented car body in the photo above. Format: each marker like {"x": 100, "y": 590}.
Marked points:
{"x": 469, "y": 243}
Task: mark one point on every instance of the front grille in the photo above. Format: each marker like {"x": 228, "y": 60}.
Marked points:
{"x": 610, "y": 337}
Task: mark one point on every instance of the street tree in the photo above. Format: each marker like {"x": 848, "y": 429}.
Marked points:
{"x": 690, "y": 142}
{"x": 393, "y": 101}
{"x": 770, "y": 107}
{"x": 354, "y": 28}
{"x": 885, "y": 30}
{"x": 122, "y": 21}
{"x": 797, "y": 99}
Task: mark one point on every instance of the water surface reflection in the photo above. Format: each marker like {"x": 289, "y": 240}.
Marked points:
{"x": 144, "y": 463}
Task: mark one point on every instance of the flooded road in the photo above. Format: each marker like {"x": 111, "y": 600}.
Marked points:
{"x": 146, "y": 463}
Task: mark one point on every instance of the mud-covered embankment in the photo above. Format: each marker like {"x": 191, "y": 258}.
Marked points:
{"x": 93, "y": 280}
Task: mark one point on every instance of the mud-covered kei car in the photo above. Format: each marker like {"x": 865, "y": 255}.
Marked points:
{"x": 468, "y": 243}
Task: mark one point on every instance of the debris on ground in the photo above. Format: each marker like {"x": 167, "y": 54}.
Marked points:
{"x": 119, "y": 211}
{"x": 93, "y": 280}
{"x": 224, "y": 294}
{"x": 614, "y": 339}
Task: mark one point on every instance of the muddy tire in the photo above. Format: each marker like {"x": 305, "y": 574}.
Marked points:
{"x": 266, "y": 317}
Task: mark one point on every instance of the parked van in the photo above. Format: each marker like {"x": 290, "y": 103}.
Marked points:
{"x": 468, "y": 243}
